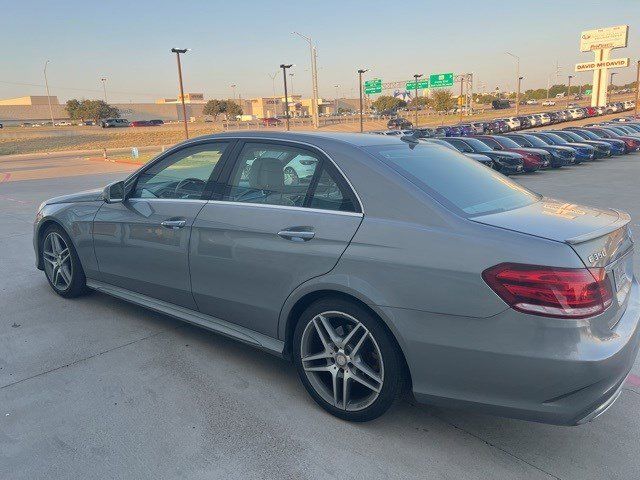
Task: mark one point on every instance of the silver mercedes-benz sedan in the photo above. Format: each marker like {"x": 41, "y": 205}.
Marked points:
{"x": 374, "y": 263}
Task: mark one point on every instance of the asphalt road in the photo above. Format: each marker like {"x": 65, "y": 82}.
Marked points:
{"x": 95, "y": 388}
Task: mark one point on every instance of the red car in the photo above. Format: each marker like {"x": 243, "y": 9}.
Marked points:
{"x": 141, "y": 123}
{"x": 534, "y": 158}
{"x": 271, "y": 122}
{"x": 591, "y": 112}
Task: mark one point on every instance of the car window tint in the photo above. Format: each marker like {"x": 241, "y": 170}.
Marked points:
{"x": 329, "y": 196}
{"x": 272, "y": 174}
{"x": 463, "y": 185}
{"x": 183, "y": 174}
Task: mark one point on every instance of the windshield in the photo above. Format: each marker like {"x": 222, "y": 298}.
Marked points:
{"x": 463, "y": 185}
{"x": 555, "y": 138}
{"x": 587, "y": 134}
{"x": 506, "y": 142}
{"x": 477, "y": 145}
{"x": 571, "y": 136}
{"x": 536, "y": 142}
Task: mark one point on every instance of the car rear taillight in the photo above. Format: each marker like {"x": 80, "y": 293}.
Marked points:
{"x": 551, "y": 291}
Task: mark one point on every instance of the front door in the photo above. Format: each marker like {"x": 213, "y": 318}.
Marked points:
{"x": 285, "y": 217}
{"x": 142, "y": 244}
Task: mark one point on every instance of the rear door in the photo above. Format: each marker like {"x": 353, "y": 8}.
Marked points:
{"x": 283, "y": 215}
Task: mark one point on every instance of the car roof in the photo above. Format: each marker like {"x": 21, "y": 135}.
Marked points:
{"x": 313, "y": 138}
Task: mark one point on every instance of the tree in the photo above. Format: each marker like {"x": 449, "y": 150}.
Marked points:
{"x": 386, "y": 102}
{"x": 420, "y": 101}
{"x": 443, "y": 100}
{"x": 90, "y": 110}
{"x": 216, "y": 107}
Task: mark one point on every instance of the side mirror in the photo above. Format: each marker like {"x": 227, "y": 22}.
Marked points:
{"x": 114, "y": 192}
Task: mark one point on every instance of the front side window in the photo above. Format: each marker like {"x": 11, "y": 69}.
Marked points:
{"x": 181, "y": 175}
{"x": 464, "y": 186}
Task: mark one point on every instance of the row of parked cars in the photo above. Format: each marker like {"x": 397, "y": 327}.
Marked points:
{"x": 123, "y": 122}
{"x": 518, "y": 152}
{"x": 510, "y": 124}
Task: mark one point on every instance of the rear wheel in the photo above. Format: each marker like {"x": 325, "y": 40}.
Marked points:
{"x": 347, "y": 360}
{"x": 61, "y": 263}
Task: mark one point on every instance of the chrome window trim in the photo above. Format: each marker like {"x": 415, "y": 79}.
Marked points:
{"x": 286, "y": 207}
{"x": 184, "y": 200}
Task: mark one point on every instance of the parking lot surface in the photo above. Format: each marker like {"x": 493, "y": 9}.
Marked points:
{"x": 96, "y": 388}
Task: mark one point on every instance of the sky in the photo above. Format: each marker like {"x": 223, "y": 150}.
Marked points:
{"x": 244, "y": 42}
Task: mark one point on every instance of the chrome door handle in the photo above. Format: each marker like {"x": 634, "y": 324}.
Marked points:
{"x": 173, "y": 224}
{"x": 297, "y": 235}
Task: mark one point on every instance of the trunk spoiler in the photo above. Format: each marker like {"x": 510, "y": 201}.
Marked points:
{"x": 623, "y": 219}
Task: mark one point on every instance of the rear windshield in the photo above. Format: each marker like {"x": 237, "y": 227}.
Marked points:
{"x": 462, "y": 184}
{"x": 506, "y": 142}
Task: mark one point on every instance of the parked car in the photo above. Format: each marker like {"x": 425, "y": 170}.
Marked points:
{"x": 475, "y": 156}
{"x": 545, "y": 118}
{"x": 485, "y": 279}
{"x": 534, "y": 159}
{"x": 583, "y": 152}
{"x": 399, "y": 123}
{"x": 512, "y": 122}
{"x": 505, "y": 162}
{"x": 500, "y": 104}
{"x": 424, "y": 132}
{"x": 532, "y": 102}
{"x": 618, "y": 146}
{"x": 562, "y": 156}
{"x": 548, "y": 103}
{"x": 114, "y": 122}
{"x": 156, "y": 122}
{"x": 271, "y": 122}
{"x": 602, "y": 149}
{"x": 524, "y": 122}
{"x": 141, "y": 123}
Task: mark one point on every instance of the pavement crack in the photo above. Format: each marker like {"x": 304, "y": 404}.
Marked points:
{"x": 80, "y": 360}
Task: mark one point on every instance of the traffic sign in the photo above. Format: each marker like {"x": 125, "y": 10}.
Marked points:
{"x": 373, "y": 86}
{"x": 441, "y": 80}
{"x": 587, "y": 92}
{"x": 421, "y": 85}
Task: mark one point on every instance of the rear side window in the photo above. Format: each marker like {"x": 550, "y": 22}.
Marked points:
{"x": 459, "y": 183}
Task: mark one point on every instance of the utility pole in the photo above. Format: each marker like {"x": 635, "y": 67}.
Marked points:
{"x": 518, "y": 81}
{"x": 104, "y": 88}
{"x": 569, "y": 89}
{"x": 314, "y": 77}
{"x": 284, "y": 68}
{"x": 637, "y": 88}
{"x": 360, "y": 72}
{"x": 460, "y": 98}
{"x": 416, "y": 76}
{"x": 233, "y": 89}
{"x": 273, "y": 76}
{"x": 335, "y": 109}
{"x": 178, "y": 51}
{"x": 46, "y": 83}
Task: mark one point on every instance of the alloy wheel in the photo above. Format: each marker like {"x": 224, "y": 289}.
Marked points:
{"x": 342, "y": 360}
{"x": 57, "y": 261}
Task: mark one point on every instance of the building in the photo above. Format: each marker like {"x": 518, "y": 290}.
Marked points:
{"x": 188, "y": 98}
{"x": 31, "y": 100}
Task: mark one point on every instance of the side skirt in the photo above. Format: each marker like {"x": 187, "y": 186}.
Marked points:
{"x": 242, "y": 334}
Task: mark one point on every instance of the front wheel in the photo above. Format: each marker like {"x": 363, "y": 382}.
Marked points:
{"x": 61, "y": 263}
{"x": 347, "y": 360}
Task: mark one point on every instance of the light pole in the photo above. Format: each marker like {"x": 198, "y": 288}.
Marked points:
{"x": 637, "y": 88}
{"x": 178, "y": 51}
{"x": 569, "y": 88}
{"x": 335, "y": 109}
{"x": 284, "y": 68}
{"x": 273, "y": 76}
{"x": 104, "y": 87}
{"x": 314, "y": 77}
{"x": 233, "y": 89}
{"x": 46, "y": 83}
{"x": 360, "y": 72}
{"x": 416, "y": 76}
{"x": 518, "y": 78}
{"x": 611, "y": 83}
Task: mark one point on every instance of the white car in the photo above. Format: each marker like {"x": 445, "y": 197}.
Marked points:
{"x": 629, "y": 104}
{"x": 513, "y": 122}
{"x": 545, "y": 118}
{"x": 532, "y": 102}
{"x": 534, "y": 120}
{"x": 548, "y": 103}
{"x": 576, "y": 113}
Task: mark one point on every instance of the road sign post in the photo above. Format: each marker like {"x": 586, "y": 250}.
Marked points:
{"x": 373, "y": 86}
{"x": 441, "y": 80}
{"x": 422, "y": 84}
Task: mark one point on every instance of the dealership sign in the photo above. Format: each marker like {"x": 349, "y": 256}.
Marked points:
{"x": 611, "y": 63}
{"x": 601, "y": 38}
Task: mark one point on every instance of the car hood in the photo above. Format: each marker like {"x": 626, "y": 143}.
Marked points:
{"x": 84, "y": 196}
{"x": 556, "y": 220}
{"x": 503, "y": 153}
{"x": 538, "y": 151}
{"x": 481, "y": 157}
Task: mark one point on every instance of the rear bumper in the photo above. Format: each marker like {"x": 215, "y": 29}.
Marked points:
{"x": 519, "y": 366}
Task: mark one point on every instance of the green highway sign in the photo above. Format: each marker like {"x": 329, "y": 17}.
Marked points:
{"x": 441, "y": 80}
{"x": 421, "y": 84}
{"x": 373, "y": 86}
{"x": 587, "y": 92}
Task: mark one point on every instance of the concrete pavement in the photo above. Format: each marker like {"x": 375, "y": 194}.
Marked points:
{"x": 95, "y": 388}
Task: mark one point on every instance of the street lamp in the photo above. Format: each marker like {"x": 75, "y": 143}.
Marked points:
{"x": 273, "y": 76}
{"x": 104, "y": 87}
{"x": 335, "y": 110}
{"x": 416, "y": 76}
{"x": 284, "y": 68}
{"x": 518, "y": 78}
{"x": 314, "y": 77}
{"x": 233, "y": 89}
{"x": 569, "y": 88}
{"x": 178, "y": 51}
{"x": 360, "y": 72}
{"x": 611, "y": 82}
{"x": 46, "y": 83}
{"x": 637, "y": 88}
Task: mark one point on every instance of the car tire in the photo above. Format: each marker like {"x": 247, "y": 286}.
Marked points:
{"x": 370, "y": 358}
{"x": 61, "y": 263}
